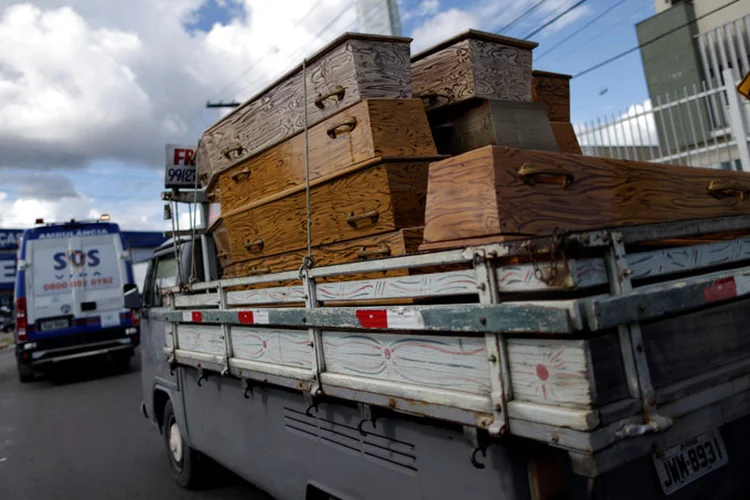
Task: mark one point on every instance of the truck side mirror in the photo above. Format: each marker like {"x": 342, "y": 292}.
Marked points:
{"x": 132, "y": 298}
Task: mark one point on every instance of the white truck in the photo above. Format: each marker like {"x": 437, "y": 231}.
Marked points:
{"x": 74, "y": 296}
{"x": 607, "y": 364}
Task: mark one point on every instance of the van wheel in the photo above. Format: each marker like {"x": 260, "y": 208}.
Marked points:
{"x": 25, "y": 373}
{"x": 185, "y": 462}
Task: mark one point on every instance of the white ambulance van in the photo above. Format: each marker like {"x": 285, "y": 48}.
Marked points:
{"x": 75, "y": 296}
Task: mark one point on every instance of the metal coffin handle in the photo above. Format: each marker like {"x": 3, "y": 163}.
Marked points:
{"x": 343, "y": 127}
{"x": 528, "y": 174}
{"x": 339, "y": 93}
{"x": 352, "y": 219}
{"x": 382, "y": 250}
{"x": 720, "y": 189}
{"x": 241, "y": 175}
{"x": 237, "y": 148}
{"x": 249, "y": 245}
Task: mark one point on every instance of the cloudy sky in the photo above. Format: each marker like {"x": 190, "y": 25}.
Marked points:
{"x": 92, "y": 90}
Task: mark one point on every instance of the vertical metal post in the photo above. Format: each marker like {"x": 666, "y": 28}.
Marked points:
{"x": 226, "y": 332}
{"x": 316, "y": 336}
{"x": 674, "y": 129}
{"x": 692, "y": 126}
{"x": 744, "y": 67}
{"x": 663, "y": 128}
{"x": 737, "y": 121}
{"x": 632, "y": 346}
{"x": 497, "y": 354}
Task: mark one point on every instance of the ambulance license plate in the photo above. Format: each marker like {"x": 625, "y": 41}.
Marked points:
{"x": 53, "y": 324}
{"x": 680, "y": 465}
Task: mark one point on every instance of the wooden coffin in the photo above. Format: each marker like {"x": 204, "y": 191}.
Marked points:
{"x": 473, "y": 64}
{"x": 350, "y": 68}
{"x": 220, "y": 236}
{"x": 498, "y": 191}
{"x": 565, "y": 137}
{"x": 553, "y": 91}
{"x": 386, "y": 196}
{"x": 372, "y": 128}
{"x": 484, "y": 122}
{"x": 390, "y": 244}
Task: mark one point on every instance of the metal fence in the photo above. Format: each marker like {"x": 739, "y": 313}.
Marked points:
{"x": 701, "y": 127}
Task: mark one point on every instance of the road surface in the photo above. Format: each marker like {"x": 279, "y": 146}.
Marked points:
{"x": 83, "y": 436}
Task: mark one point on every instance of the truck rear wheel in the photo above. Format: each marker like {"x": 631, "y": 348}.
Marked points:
{"x": 185, "y": 462}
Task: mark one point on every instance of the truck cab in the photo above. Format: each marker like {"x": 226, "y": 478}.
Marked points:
{"x": 74, "y": 297}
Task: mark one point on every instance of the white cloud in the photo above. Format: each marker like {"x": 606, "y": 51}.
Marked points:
{"x": 444, "y": 25}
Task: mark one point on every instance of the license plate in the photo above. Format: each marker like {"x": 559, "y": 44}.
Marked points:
{"x": 53, "y": 324}
{"x": 682, "y": 464}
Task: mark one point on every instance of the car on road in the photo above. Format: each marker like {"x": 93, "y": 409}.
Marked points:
{"x": 75, "y": 296}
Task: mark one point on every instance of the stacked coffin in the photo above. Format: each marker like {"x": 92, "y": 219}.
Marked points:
{"x": 477, "y": 90}
{"x": 553, "y": 91}
{"x": 368, "y": 147}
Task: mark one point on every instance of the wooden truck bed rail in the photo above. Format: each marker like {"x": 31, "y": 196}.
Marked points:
{"x": 604, "y": 343}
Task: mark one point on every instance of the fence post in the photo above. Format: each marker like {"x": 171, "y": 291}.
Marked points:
{"x": 736, "y": 120}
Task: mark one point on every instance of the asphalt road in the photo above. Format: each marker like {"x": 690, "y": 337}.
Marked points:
{"x": 80, "y": 435}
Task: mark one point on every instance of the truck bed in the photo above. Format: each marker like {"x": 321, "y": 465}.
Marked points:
{"x": 609, "y": 344}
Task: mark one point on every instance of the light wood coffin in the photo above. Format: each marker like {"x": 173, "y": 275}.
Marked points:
{"x": 391, "y": 244}
{"x": 370, "y": 129}
{"x": 386, "y": 196}
{"x": 499, "y": 191}
{"x": 471, "y": 65}
{"x": 351, "y": 68}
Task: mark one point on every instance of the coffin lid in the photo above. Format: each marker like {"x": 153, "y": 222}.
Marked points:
{"x": 475, "y": 35}
{"x": 549, "y": 74}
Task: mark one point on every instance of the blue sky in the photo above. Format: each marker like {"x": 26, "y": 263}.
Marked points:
{"x": 172, "y": 69}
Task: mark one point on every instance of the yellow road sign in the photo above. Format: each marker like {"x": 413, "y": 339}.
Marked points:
{"x": 744, "y": 86}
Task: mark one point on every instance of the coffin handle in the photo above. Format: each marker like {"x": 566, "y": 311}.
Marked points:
{"x": 249, "y": 245}
{"x": 382, "y": 250}
{"x": 431, "y": 99}
{"x": 237, "y": 148}
{"x": 720, "y": 189}
{"x": 339, "y": 93}
{"x": 528, "y": 174}
{"x": 343, "y": 127}
{"x": 352, "y": 219}
{"x": 241, "y": 175}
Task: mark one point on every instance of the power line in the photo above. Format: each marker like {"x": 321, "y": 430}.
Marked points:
{"x": 521, "y": 16}
{"x": 559, "y": 43}
{"x": 554, "y": 19}
{"x": 644, "y": 44}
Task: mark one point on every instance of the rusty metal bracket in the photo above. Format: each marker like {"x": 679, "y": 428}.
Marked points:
{"x": 248, "y": 386}
{"x": 477, "y": 446}
{"x": 368, "y": 415}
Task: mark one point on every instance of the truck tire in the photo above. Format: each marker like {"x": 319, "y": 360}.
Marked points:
{"x": 25, "y": 373}
{"x": 185, "y": 462}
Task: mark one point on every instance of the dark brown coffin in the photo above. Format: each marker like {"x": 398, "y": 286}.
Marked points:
{"x": 553, "y": 91}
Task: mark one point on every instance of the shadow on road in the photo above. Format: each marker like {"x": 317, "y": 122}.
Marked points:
{"x": 85, "y": 370}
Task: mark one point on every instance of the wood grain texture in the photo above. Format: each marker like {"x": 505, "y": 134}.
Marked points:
{"x": 696, "y": 343}
{"x": 553, "y": 91}
{"x": 565, "y": 137}
{"x": 479, "y": 194}
{"x": 391, "y": 244}
{"x": 201, "y": 338}
{"x": 483, "y": 122}
{"x": 372, "y": 128}
{"x": 473, "y": 64}
{"x": 363, "y": 66}
{"x": 218, "y": 232}
{"x": 383, "y": 198}
{"x": 272, "y": 345}
{"x": 551, "y": 371}
{"x": 453, "y": 363}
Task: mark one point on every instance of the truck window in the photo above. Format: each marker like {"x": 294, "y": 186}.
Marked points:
{"x": 162, "y": 273}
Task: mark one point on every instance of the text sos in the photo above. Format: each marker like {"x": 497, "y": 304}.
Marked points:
{"x": 77, "y": 259}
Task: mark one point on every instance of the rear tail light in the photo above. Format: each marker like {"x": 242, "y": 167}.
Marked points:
{"x": 135, "y": 318}
{"x": 21, "y": 319}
